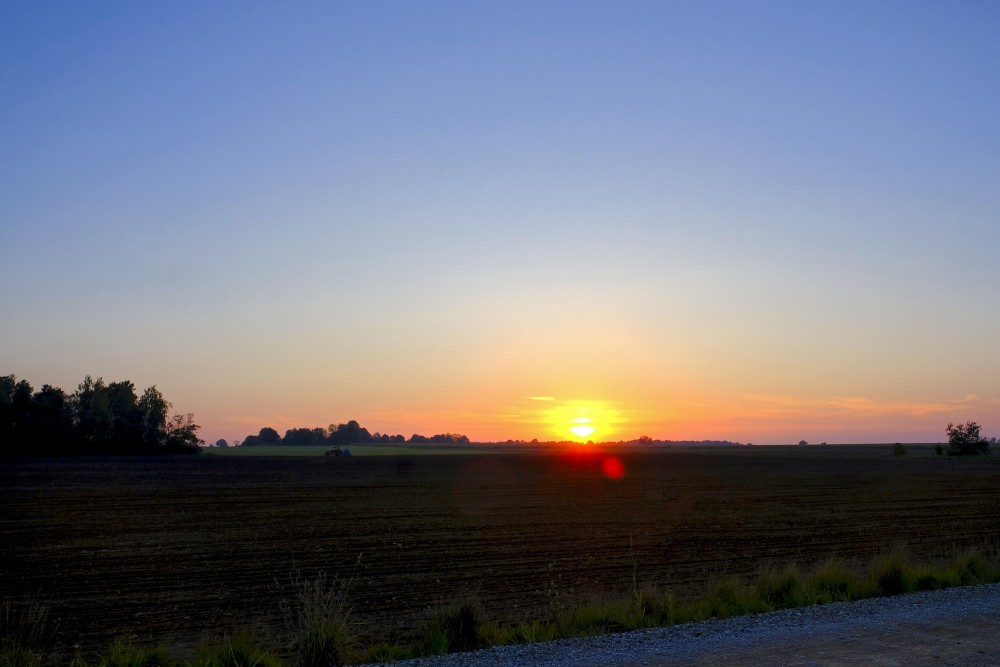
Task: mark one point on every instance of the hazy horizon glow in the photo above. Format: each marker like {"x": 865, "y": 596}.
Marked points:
{"x": 759, "y": 222}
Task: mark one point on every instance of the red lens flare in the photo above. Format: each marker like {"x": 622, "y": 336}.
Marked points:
{"x": 612, "y": 467}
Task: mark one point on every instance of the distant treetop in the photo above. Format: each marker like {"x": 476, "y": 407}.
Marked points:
{"x": 351, "y": 433}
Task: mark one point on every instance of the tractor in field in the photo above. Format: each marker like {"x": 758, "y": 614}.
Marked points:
{"x": 337, "y": 451}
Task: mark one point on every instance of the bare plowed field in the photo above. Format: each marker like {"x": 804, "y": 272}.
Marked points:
{"x": 173, "y": 549}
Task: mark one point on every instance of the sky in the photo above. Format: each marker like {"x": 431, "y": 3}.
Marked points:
{"x": 754, "y": 221}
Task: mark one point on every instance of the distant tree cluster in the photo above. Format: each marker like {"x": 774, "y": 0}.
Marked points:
{"x": 444, "y": 438}
{"x": 351, "y": 433}
{"x": 646, "y": 440}
{"x": 97, "y": 418}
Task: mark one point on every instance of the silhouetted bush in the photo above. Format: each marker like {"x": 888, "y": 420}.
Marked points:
{"x": 966, "y": 440}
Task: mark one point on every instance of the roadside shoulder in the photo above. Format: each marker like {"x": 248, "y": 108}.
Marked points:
{"x": 951, "y": 626}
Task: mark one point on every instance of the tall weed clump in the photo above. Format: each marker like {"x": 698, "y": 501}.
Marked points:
{"x": 781, "y": 588}
{"x": 729, "y": 596}
{"x": 834, "y": 581}
{"x": 24, "y": 625}
{"x": 125, "y": 654}
{"x": 890, "y": 574}
{"x": 241, "y": 649}
{"x": 13, "y": 655}
{"x": 317, "y": 618}
{"x": 974, "y": 567}
{"x": 653, "y": 608}
{"x": 461, "y": 627}
{"x": 597, "y": 618}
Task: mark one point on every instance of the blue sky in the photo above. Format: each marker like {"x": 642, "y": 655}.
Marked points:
{"x": 741, "y": 220}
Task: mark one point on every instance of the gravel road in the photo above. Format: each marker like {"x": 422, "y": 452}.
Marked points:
{"x": 958, "y": 626}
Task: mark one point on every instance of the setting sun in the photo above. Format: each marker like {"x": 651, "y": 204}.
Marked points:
{"x": 581, "y": 419}
{"x": 582, "y": 428}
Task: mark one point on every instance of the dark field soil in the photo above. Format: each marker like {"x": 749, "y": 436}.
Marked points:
{"x": 171, "y": 550}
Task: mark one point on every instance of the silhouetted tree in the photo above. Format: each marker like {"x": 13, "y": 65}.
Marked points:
{"x": 21, "y": 414}
{"x": 221, "y": 442}
{"x": 97, "y": 418}
{"x": 351, "y": 433}
{"x": 126, "y": 421}
{"x": 266, "y": 436}
{"x": 304, "y": 436}
{"x": 92, "y": 414}
{"x": 965, "y": 440}
{"x": 7, "y": 383}
{"x": 52, "y": 427}
{"x": 182, "y": 434}
{"x": 153, "y": 420}
{"x": 450, "y": 438}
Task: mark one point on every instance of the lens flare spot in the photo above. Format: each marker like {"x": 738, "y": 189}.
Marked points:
{"x": 612, "y": 467}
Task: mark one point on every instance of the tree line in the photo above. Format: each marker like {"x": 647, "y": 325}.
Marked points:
{"x": 97, "y": 418}
{"x": 351, "y": 433}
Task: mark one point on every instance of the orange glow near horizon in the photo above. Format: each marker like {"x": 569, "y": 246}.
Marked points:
{"x": 550, "y": 412}
{"x": 531, "y": 414}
